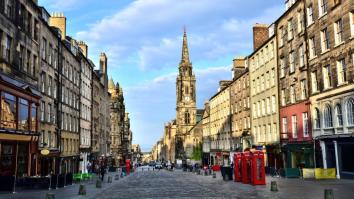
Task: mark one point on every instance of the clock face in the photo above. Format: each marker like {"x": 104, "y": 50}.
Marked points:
{"x": 186, "y": 98}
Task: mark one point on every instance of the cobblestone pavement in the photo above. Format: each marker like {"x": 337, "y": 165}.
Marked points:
{"x": 178, "y": 184}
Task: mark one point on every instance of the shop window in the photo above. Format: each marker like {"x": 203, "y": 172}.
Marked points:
{"x": 23, "y": 122}
{"x": 327, "y": 116}
{"x": 8, "y": 111}
{"x": 339, "y": 116}
{"x": 350, "y": 111}
{"x": 317, "y": 121}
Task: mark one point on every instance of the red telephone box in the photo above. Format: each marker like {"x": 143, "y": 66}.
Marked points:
{"x": 258, "y": 170}
{"x": 127, "y": 165}
{"x": 246, "y": 167}
{"x": 238, "y": 167}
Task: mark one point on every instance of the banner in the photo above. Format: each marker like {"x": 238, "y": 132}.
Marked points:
{"x": 325, "y": 173}
{"x": 308, "y": 173}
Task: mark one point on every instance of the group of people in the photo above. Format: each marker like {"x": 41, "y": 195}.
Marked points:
{"x": 99, "y": 169}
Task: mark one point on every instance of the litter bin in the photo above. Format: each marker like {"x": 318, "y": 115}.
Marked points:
{"x": 226, "y": 173}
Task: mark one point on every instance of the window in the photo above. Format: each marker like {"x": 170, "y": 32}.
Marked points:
{"x": 351, "y": 17}
{"x": 274, "y": 104}
{"x": 28, "y": 63}
{"x": 21, "y": 57}
{"x": 9, "y": 9}
{"x": 36, "y": 30}
{"x": 324, "y": 40}
{"x": 292, "y": 61}
{"x": 303, "y": 89}
{"x": 305, "y": 124}
{"x": 350, "y": 111}
{"x": 341, "y": 70}
{"x": 258, "y": 109}
{"x": 312, "y": 47}
{"x": 42, "y": 82}
{"x": 49, "y": 113}
{"x": 254, "y": 110}
{"x": 267, "y": 79}
{"x": 281, "y": 39}
{"x": 338, "y": 32}
{"x": 50, "y": 83}
{"x": 33, "y": 117}
{"x": 8, "y": 111}
{"x": 50, "y": 54}
{"x": 283, "y": 101}
{"x": 273, "y": 76}
{"x": 294, "y": 126}
{"x": 282, "y": 67}
{"x": 327, "y": 79}
{"x": 42, "y": 111}
{"x": 290, "y": 29}
{"x": 339, "y": 116}
{"x": 300, "y": 22}
{"x": 7, "y": 48}
{"x": 301, "y": 55}
{"x": 314, "y": 82}
{"x": 44, "y": 48}
{"x": 55, "y": 89}
{"x": 292, "y": 94}
{"x": 268, "y": 105}
{"x": 263, "y": 107}
{"x": 34, "y": 65}
{"x": 262, "y": 83}
{"x": 285, "y": 125}
{"x": 187, "y": 118}
{"x": 327, "y": 116}
{"x": 316, "y": 118}
{"x": 322, "y": 4}
{"x": 310, "y": 18}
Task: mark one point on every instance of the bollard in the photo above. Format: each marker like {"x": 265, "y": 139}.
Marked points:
{"x": 109, "y": 180}
{"x": 82, "y": 190}
{"x": 199, "y": 171}
{"x": 273, "y": 186}
{"x": 98, "y": 184}
{"x": 328, "y": 194}
{"x": 50, "y": 196}
{"x": 116, "y": 177}
{"x": 214, "y": 175}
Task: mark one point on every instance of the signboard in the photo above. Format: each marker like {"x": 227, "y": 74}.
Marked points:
{"x": 45, "y": 151}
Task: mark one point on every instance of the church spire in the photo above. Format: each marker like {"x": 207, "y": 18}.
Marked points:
{"x": 185, "y": 53}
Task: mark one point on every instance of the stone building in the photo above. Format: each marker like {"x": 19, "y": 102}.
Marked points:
{"x": 19, "y": 67}
{"x": 206, "y": 139}
{"x": 330, "y": 33}
{"x": 85, "y": 106}
{"x": 293, "y": 52}
{"x": 48, "y": 85}
{"x": 264, "y": 99}
{"x": 127, "y": 138}
{"x": 240, "y": 106}
{"x": 220, "y": 125}
{"x": 192, "y": 144}
{"x": 117, "y": 120}
{"x": 186, "y": 98}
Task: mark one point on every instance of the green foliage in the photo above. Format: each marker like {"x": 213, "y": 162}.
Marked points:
{"x": 197, "y": 151}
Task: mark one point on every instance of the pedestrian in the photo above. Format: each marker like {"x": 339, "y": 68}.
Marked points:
{"x": 103, "y": 171}
{"x": 88, "y": 167}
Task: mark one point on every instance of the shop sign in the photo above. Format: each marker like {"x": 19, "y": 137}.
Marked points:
{"x": 45, "y": 151}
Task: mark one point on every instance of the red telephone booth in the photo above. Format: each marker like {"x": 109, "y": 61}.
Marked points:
{"x": 258, "y": 170}
{"x": 127, "y": 165}
{"x": 246, "y": 167}
{"x": 238, "y": 167}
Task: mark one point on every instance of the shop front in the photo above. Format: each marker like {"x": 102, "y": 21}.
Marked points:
{"x": 299, "y": 155}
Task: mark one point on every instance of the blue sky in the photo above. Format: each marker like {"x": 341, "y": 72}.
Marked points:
{"x": 143, "y": 39}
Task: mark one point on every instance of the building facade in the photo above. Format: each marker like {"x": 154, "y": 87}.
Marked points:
{"x": 330, "y": 33}
{"x": 295, "y": 126}
{"x": 264, "y": 100}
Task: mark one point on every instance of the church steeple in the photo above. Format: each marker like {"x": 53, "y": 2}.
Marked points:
{"x": 185, "y": 52}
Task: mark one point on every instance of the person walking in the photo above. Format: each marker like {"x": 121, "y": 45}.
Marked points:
{"x": 103, "y": 171}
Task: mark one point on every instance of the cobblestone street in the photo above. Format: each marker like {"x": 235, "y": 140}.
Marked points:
{"x": 178, "y": 184}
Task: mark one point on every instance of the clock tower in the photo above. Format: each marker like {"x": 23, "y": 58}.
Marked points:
{"x": 185, "y": 93}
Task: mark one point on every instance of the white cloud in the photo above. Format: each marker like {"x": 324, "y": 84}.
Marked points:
{"x": 61, "y": 5}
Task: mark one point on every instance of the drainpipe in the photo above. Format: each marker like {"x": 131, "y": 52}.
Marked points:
{"x": 336, "y": 154}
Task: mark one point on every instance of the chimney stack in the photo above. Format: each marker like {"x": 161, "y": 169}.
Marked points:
{"x": 83, "y": 47}
{"x": 239, "y": 67}
{"x": 260, "y": 35}
{"x": 103, "y": 63}
{"x": 58, "y": 20}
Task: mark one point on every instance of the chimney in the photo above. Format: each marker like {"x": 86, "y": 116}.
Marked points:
{"x": 83, "y": 47}
{"x": 223, "y": 84}
{"x": 239, "y": 67}
{"x": 103, "y": 63}
{"x": 260, "y": 35}
{"x": 58, "y": 20}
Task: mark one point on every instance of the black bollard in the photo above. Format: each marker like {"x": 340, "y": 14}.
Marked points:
{"x": 214, "y": 175}
{"x": 328, "y": 194}
{"x": 98, "y": 184}
{"x": 109, "y": 180}
{"x": 50, "y": 196}
{"x": 273, "y": 186}
{"x": 116, "y": 177}
{"x": 82, "y": 190}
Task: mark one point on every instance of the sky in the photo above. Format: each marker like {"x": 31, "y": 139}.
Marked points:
{"x": 143, "y": 40}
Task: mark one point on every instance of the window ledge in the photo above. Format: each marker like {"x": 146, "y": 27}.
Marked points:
{"x": 326, "y": 89}
{"x": 323, "y": 15}
{"x": 310, "y": 24}
{"x": 326, "y": 51}
{"x": 342, "y": 42}
{"x": 312, "y": 58}
{"x": 343, "y": 83}
{"x": 316, "y": 92}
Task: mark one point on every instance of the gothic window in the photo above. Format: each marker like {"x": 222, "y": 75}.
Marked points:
{"x": 350, "y": 111}
{"x": 339, "y": 116}
{"x": 187, "y": 90}
{"x": 187, "y": 118}
{"x": 327, "y": 116}
{"x": 317, "y": 118}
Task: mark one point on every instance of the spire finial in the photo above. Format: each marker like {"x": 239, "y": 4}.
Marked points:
{"x": 185, "y": 53}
